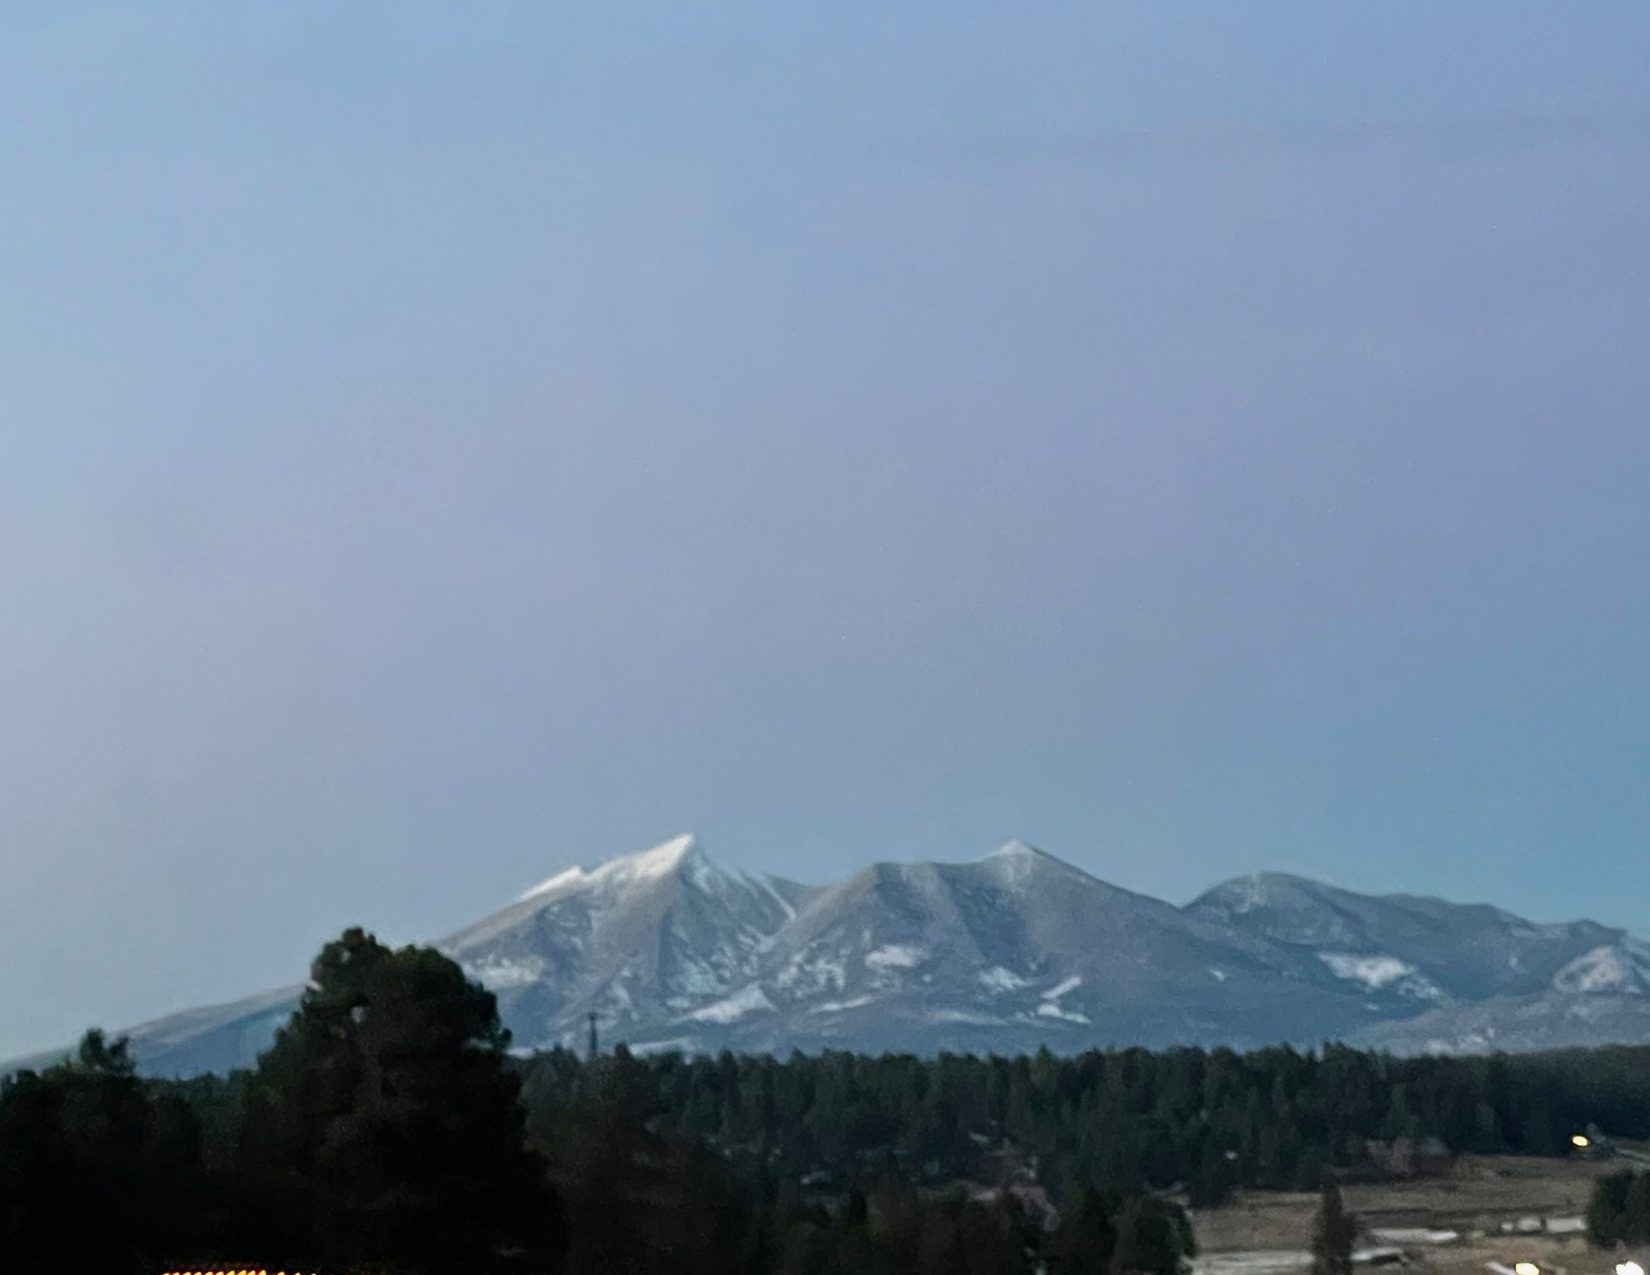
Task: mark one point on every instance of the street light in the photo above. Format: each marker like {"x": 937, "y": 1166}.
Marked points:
{"x": 1526, "y": 1268}
{"x": 1580, "y": 1140}
{"x": 1629, "y": 1268}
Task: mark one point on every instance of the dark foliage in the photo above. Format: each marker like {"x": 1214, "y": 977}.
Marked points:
{"x": 1333, "y": 1231}
{"x": 1620, "y": 1210}
{"x": 386, "y": 1124}
{"x": 90, "y": 1153}
{"x": 1124, "y": 1121}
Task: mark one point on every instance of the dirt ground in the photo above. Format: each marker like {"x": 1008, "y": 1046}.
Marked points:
{"x": 1476, "y": 1197}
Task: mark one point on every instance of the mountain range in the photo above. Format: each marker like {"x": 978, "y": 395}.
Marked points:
{"x": 672, "y": 949}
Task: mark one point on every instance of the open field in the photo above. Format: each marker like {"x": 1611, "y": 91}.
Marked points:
{"x": 1477, "y": 1198}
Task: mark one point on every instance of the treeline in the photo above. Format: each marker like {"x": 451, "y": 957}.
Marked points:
{"x": 1202, "y": 1121}
{"x": 388, "y": 1131}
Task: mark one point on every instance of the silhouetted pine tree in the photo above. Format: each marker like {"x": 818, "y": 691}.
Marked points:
{"x": 1149, "y": 1240}
{"x": 1333, "y": 1231}
{"x": 389, "y": 1109}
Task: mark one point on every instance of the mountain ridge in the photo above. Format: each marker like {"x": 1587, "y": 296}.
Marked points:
{"x": 671, "y": 948}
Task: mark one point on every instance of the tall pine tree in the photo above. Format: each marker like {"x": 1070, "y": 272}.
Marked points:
{"x": 387, "y": 1106}
{"x": 1333, "y": 1230}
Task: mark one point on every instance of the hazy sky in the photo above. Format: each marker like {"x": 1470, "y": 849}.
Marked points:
{"x": 445, "y": 442}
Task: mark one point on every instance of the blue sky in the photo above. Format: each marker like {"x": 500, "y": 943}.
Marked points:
{"x": 445, "y": 442}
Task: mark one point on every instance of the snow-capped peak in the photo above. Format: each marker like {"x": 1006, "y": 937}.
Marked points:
{"x": 658, "y": 861}
{"x": 567, "y": 876}
{"x": 662, "y": 859}
{"x": 682, "y": 857}
{"x": 1019, "y": 865}
{"x": 1261, "y": 890}
{"x": 1021, "y": 856}
{"x": 1015, "y": 863}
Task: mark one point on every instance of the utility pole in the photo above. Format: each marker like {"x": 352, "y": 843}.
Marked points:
{"x": 595, "y": 1047}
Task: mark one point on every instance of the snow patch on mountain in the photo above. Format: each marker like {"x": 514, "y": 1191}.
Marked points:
{"x": 499, "y": 973}
{"x": 809, "y": 972}
{"x": 1374, "y": 972}
{"x": 841, "y": 1007}
{"x": 1604, "y": 969}
{"x": 743, "y": 1003}
{"x": 966, "y": 1018}
{"x": 1051, "y": 1006}
{"x": 998, "y": 978}
{"x": 895, "y": 956}
{"x": 785, "y": 904}
{"x": 1380, "y": 971}
{"x": 696, "y": 977}
{"x": 1053, "y": 1009}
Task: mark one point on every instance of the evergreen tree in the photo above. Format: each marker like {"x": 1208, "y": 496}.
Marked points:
{"x": 1086, "y": 1237}
{"x": 639, "y": 1200}
{"x": 1333, "y": 1231}
{"x": 1149, "y": 1240}
{"x": 387, "y": 1103}
{"x": 104, "y": 1116}
{"x": 84, "y": 1152}
{"x": 1211, "y": 1183}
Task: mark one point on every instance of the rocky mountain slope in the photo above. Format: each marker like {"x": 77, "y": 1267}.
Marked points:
{"x": 670, "y": 948}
